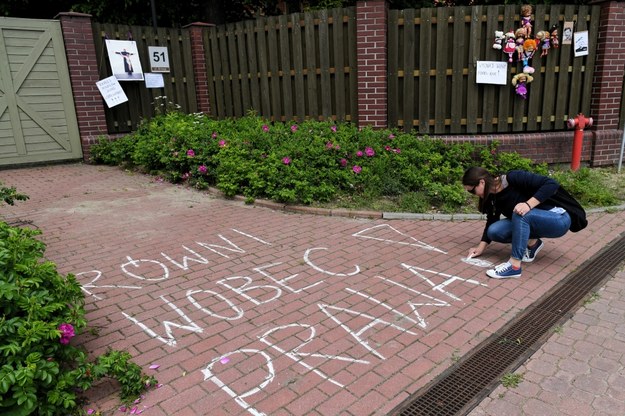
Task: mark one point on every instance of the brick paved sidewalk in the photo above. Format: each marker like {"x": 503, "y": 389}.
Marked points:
{"x": 248, "y": 310}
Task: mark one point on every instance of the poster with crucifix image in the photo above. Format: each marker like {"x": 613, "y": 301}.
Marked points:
{"x": 124, "y": 60}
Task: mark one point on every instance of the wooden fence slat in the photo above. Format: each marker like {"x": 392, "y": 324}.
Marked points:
{"x": 235, "y": 74}
{"x": 338, "y": 43}
{"x": 298, "y": 67}
{"x": 535, "y": 100}
{"x": 353, "y": 64}
{"x": 488, "y": 90}
{"x": 324, "y": 66}
{"x": 311, "y": 65}
{"x": 575, "y": 105}
{"x": 285, "y": 68}
{"x": 274, "y": 68}
{"x": 244, "y": 77}
{"x": 589, "y": 68}
{"x": 424, "y": 65}
{"x": 440, "y": 81}
{"x": 227, "y": 74}
{"x": 550, "y": 74}
{"x": 252, "y": 61}
{"x": 506, "y": 94}
{"x": 475, "y": 48}
{"x": 408, "y": 89}
{"x": 392, "y": 66}
{"x": 218, "y": 73}
{"x": 563, "y": 92}
{"x": 458, "y": 82}
{"x": 261, "y": 47}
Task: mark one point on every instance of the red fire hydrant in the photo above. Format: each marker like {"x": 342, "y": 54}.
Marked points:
{"x": 579, "y": 123}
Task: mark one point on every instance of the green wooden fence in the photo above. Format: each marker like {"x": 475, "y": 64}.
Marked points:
{"x": 303, "y": 66}
{"x": 432, "y": 59}
{"x": 179, "y": 83}
{"x": 298, "y": 66}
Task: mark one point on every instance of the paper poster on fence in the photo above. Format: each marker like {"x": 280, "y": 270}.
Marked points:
{"x": 124, "y": 60}
{"x": 111, "y": 91}
{"x": 491, "y": 72}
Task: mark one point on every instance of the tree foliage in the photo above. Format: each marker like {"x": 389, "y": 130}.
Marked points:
{"x": 174, "y": 13}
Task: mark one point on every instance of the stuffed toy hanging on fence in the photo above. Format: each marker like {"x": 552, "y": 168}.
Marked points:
{"x": 526, "y": 19}
{"x": 554, "y": 36}
{"x": 499, "y": 38}
{"x": 520, "y": 82}
{"x": 529, "y": 47}
{"x": 510, "y": 45}
{"x": 543, "y": 39}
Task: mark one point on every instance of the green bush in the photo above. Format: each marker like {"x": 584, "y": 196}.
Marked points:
{"x": 42, "y": 373}
{"x": 313, "y": 162}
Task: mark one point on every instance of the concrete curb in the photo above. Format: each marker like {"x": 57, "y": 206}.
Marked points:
{"x": 303, "y": 209}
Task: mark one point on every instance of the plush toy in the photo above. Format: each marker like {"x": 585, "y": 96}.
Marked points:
{"x": 554, "y": 36}
{"x": 499, "y": 38}
{"x": 520, "y": 39}
{"x": 543, "y": 38}
{"x": 526, "y": 19}
{"x": 510, "y": 45}
{"x": 520, "y": 82}
{"x": 529, "y": 47}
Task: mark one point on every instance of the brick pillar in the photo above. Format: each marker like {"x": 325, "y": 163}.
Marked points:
{"x": 83, "y": 73}
{"x": 608, "y": 84}
{"x": 198, "y": 58}
{"x": 371, "y": 57}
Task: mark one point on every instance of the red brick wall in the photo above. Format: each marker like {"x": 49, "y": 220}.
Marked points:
{"x": 83, "y": 72}
{"x": 608, "y": 84}
{"x": 199, "y": 65}
{"x": 371, "y": 51}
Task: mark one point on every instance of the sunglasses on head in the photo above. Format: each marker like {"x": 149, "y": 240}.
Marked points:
{"x": 472, "y": 190}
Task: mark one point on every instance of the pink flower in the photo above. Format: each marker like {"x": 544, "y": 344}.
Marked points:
{"x": 294, "y": 128}
{"x": 337, "y": 147}
{"x": 214, "y": 135}
{"x": 357, "y": 169}
{"x": 397, "y": 151}
{"x": 185, "y": 176}
{"x": 222, "y": 143}
{"x": 265, "y": 127}
{"x": 286, "y": 160}
{"x": 329, "y": 145}
{"x": 191, "y": 153}
{"x": 333, "y": 128}
{"x": 343, "y": 162}
{"x": 202, "y": 169}
{"x": 387, "y": 148}
{"x": 67, "y": 332}
{"x": 359, "y": 153}
{"x": 369, "y": 152}
{"x": 391, "y": 136}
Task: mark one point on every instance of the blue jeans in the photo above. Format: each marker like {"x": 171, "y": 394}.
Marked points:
{"x": 535, "y": 224}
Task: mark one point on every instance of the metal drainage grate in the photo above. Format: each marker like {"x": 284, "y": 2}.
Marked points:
{"x": 459, "y": 389}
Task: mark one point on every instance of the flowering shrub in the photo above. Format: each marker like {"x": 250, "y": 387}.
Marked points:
{"x": 311, "y": 162}
{"x": 41, "y": 371}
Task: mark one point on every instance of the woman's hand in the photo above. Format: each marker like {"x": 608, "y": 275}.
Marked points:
{"x": 477, "y": 251}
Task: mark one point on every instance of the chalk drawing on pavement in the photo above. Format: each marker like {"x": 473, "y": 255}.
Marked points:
{"x": 381, "y": 233}
{"x": 91, "y": 284}
{"x": 240, "y": 397}
{"x": 477, "y": 262}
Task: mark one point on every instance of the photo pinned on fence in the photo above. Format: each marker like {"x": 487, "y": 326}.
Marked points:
{"x": 567, "y": 33}
{"x": 124, "y": 60}
{"x": 581, "y": 43}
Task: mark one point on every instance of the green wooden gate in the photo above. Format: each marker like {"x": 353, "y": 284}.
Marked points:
{"x": 37, "y": 114}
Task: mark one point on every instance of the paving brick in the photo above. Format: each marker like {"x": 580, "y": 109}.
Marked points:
{"x": 94, "y": 218}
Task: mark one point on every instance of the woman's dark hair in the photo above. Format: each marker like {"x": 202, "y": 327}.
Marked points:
{"x": 472, "y": 177}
